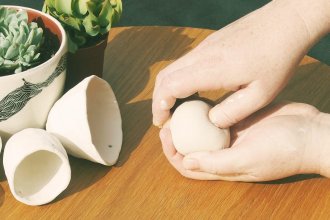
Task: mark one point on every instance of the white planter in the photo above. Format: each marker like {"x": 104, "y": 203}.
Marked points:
{"x": 87, "y": 121}
{"x": 36, "y": 166}
{"x": 27, "y": 97}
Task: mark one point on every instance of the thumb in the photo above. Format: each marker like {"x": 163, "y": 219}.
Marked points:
{"x": 229, "y": 161}
{"x": 238, "y": 106}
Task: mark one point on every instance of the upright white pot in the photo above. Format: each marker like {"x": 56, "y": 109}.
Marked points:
{"x": 27, "y": 97}
{"x": 36, "y": 166}
{"x": 87, "y": 121}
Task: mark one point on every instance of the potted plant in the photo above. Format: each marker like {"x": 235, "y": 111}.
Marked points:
{"x": 33, "y": 48}
{"x": 87, "y": 24}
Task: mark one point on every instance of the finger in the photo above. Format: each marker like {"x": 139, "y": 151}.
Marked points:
{"x": 231, "y": 164}
{"x": 175, "y": 158}
{"x": 181, "y": 84}
{"x": 167, "y": 144}
{"x": 276, "y": 109}
{"x": 238, "y": 106}
{"x": 184, "y": 61}
{"x": 223, "y": 162}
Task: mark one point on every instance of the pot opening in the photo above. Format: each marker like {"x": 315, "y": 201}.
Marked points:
{"x": 39, "y": 177}
{"x": 33, "y": 16}
{"x": 104, "y": 120}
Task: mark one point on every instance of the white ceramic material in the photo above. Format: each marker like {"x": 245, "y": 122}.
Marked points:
{"x": 26, "y": 97}
{"x": 87, "y": 121}
{"x": 192, "y": 130}
{"x": 36, "y": 166}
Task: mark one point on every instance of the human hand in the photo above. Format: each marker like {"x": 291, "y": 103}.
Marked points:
{"x": 254, "y": 57}
{"x": 280, "y": 141}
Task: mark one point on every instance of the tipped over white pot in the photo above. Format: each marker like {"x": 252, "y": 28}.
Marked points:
{"x": 36, "y": 166}
{"x": 87, "y": 120}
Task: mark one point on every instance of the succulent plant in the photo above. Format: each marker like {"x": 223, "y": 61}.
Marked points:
{"x": 20, "y": 41}
{"x": 84, "y": 20}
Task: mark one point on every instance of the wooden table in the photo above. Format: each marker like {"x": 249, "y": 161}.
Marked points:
{"x": 143, "y": 185}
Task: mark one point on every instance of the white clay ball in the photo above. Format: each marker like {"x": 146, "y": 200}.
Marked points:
{"x": 192, "y": 130}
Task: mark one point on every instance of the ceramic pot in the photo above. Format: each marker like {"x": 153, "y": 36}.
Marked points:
{"x": 87, "y": 121}
{"x": 27, "y": 97}
{"x": 36, "y": 166}
{"x": 85, "y": 62}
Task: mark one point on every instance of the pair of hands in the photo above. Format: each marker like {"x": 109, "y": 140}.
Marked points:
{"x": 254, "y": 57}
{"x": 274, "y": 143}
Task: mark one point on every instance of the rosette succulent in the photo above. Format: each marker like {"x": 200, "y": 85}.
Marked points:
{"x": 85, "y": 21}
{"x": 20, "y": 41}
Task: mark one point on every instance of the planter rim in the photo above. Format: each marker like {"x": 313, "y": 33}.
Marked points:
{"x": 63, "y": 43}
{"x": 103, "y": 40}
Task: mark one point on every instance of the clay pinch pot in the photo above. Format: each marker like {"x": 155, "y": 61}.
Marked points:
{"x": 36, "y": 166}
{"x": 27, "y": 97}
{"x": 87, "y": 121}
{"x": 85, "y": 62}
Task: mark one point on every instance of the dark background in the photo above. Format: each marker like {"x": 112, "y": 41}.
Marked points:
{"x": 211, "y": 14}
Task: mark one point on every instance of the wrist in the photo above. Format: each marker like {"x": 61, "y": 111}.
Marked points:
{"x": 313, "y": 14}
{"x": 321, "y": 143}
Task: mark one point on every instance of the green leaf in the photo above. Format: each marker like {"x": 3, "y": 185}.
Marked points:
{"x": 12, "y": 52}
{"x": 73, "y": 47}
{"x": 105, "y": 14}
{"x": 1, "y": 60}
{"x": 71, "y": 21}
{"x": 18, "y": 39}
{"x": 64, "y": 6}
{"x": 81, "y": 7}
{"x": 91, "y": 26}
{"x": 50, "y": 3}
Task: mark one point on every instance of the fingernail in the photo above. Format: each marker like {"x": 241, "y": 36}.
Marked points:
{"x": 163, "y": 105}
{"x": 156, "y": 123}
{"x": 190, "y": 164}
{"x": 213, "y": 118}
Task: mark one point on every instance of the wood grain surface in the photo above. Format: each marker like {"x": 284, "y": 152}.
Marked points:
{"x": 143, "y": 185}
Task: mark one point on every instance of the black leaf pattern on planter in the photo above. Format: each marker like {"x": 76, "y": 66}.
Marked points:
{"x": 17, "y": 99}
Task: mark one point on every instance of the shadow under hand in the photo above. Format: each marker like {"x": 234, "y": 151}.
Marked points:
{"x": 311, "y": 85}
{"x": 130, "y": 54}
{"x": 292, "y": 179}
{"x": 2, "y": 170}
{"x": 2, "y": 195}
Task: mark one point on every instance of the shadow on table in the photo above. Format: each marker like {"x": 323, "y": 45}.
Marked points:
{"x": 83, "y": 174}
{"x": 292, "y": 179}
{"x": 2, "y": 195}
{"x": 2, "y": 170}
{"x": 129, "y": 74}
{"x": 311, "y": 85}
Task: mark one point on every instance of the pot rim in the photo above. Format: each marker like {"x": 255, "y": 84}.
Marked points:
{"x": 59, "y": 52}
{"x": 102, "y": 43}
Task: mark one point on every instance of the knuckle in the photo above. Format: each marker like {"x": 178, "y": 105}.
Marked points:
{"x": 160, "y": 76}
{"x": 309, "y": 109}
{"x": 222, "y": 118}
{"x": 172, "y": 84}
{"x": 263, "y": 98}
